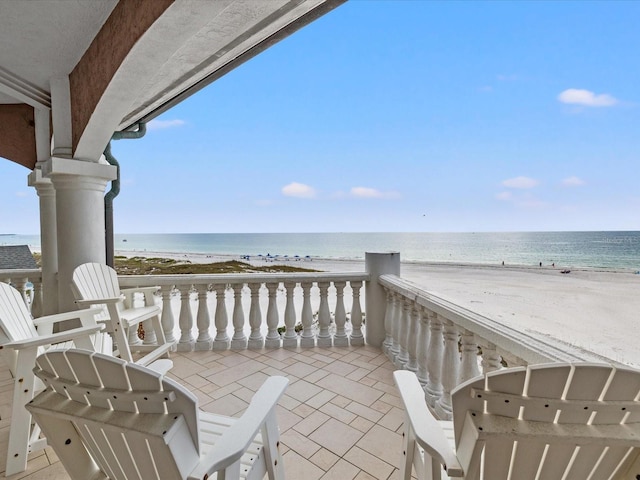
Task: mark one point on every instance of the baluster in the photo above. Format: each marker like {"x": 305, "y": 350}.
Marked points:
{"x": 185, "y": 320}
{"x": 423, "y": 347}
{"x": 403, "y": 333}
{"x": 412, "y": 338}
{"x": 290, "y": 339}
{"x": 324, "y": 316}
{"x": 273, "y": 337}
{"x": 221, "y": 341}
{"x": 307, "y": 339}
{"x": 203, "y": 320}
{"x": 239, "y": 340}
{"x": 150, "y": 337}
{"x": 21, "y": 286}
{"x": 36, "y": 300}
{"x": 255, "y": 318}
{"x": 357, "y": 338}
{"x": 132, "y": 333}
{"x": 434, "y": 365}
{"x": 394, "y": 351}
{"x": 490, "y": 359}
{"x": 167, "y": 320}
{"x": 340, "y": 339}
{"x": 450, "y": 370}
{"x": 388, "y": 322}
{"x": 469, "y": 352}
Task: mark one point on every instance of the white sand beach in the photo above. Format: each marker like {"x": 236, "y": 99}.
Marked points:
{"x": 595, "y": 310}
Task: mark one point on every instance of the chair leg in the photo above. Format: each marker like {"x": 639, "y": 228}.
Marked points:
{"x": 271, "y": 452}
{"x": 20, "y": 432}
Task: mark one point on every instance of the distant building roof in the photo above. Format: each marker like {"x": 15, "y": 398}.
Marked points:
{"x": 16, "y": 257}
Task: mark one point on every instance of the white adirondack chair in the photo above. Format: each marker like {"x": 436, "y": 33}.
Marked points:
{"x": 106, "y": 418}
{"x": 97, "y": 284}
{"x": 20, "y": 343}
{"x": 546, "y": 422}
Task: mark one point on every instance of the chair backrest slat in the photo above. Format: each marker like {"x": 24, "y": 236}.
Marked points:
{"x": 95, "y": 280}
{"x": 134, "y": 422}
{"x": 573, "y": 394}
{"x": 15, "y": 319}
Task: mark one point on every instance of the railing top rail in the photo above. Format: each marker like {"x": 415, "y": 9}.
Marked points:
{"x": 529, "y": 348}
{"x": 218, "y": 279}
{"x": 20, "y": 272}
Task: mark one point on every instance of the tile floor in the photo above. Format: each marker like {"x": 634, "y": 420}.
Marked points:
{"x": 339, "y": 419}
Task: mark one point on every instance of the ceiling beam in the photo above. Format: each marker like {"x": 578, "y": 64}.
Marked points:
{"x": 23, "y": 91}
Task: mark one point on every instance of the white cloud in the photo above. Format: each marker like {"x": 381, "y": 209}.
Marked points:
{"x": 573, "y": 182}
{"x": 504, "y": 196}
{"x": 366, "y": 192}
{"x": 520, "y": 182}
{"x": 163, "y": 124}
{"x": 22, "y": 194}
{"x": 300, "y": 190}
{"x": 587, "y": 98}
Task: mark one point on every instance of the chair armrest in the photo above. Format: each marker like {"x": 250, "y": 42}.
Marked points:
{"x": 152, "y": 289}
{"x": 237, "y": 438}
{"x": 427, "y": 429}
{"x": 59, "y": 337}
{"x": 98, "y": 301}
{"x": 61, "y": 317}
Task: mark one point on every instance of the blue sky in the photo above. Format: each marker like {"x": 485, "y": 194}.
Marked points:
{"x": 398, "y": 116}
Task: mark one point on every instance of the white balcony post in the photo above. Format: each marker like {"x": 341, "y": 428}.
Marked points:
{"x": 469, "y": 364}
{"x": 273, "y": 337}
{"x": 221, "y": 341}
{"x": 256, "y": 341}
{"x": 290, "y": 339}
{"x": 450, "y": 370}
{"x": 185, "y": 320}
{"x": 203, "y": 320}
{"x": 324, "y": 317}
{"x": 307, "y": 339}
{"x": 423, "y": 347}
{"x": 167, "y": 319}
{"x": 378, "y": 264}
{"x": 36, "y": 300}
{"x": 412, "y": 338}
{"x": 357, "y": 339}
{"x": 490, "y": 359}
{"x": 150, "y": 337}
{"x": 340, "y": 339}
{"x": 436, "y": 353}
{"x": 239, "y": 340}
{"x": 394, "y": 351}
{"x": 403, "y": 333}
{"x": 388, "y": 323}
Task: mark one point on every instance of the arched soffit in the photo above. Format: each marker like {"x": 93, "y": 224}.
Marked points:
{"x": 98, "y": 99}
{"x": 17, "y": 131}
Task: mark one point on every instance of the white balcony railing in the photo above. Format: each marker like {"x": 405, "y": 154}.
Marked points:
{"x": 29, "y": 283}
{"x": 250, "y": 310}
{"x": 445, "y": 344}
{"x": 442, "y": 342}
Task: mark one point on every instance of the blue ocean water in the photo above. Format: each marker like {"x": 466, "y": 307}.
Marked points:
{"x": 606, "y": 250}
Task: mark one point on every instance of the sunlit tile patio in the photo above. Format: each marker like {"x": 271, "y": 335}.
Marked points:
{"x": 340, "y": 417}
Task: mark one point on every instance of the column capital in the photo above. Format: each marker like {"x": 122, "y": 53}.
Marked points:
{"x": 41, "y": 183}
{"x": 57, "y": 167}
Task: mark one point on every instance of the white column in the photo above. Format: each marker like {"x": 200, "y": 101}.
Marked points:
{"x": 80, "y": 188}
{"x": 378, "y": 264}
{"x": 48, "y": 240}
{"x": 221, "y": 342}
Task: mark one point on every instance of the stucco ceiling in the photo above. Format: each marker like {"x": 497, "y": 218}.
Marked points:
{"x": 41, "y": 39}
